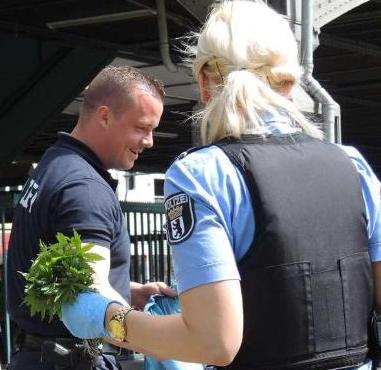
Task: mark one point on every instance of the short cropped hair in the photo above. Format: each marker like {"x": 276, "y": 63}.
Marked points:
{"x": 113, "y": 87}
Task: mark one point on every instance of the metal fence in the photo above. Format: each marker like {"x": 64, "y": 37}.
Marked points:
{"x": 150, "y": 253}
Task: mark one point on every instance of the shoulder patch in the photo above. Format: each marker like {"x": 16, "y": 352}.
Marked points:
{"x": 180, "y": 217}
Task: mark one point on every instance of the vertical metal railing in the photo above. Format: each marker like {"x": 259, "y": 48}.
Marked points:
{"x": 150, "y": 253}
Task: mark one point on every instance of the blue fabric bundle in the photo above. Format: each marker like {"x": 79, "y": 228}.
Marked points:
{"x": 163, "y": 305}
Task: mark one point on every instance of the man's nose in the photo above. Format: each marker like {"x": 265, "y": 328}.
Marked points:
{"x": 148, "y": 140}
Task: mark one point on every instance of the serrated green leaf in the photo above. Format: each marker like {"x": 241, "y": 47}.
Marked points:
{"x": 93, "y": 257}
{"x": 60, "y": 271}
{"x": 86, "y": 247}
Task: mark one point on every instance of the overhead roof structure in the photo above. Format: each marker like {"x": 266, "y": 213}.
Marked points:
{"x": 51, "y": 49}
{"x": 348, "y": 64}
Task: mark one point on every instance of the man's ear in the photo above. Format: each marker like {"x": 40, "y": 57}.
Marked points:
{"x": 103, "y": 115}
{"x": 204, "y": 86}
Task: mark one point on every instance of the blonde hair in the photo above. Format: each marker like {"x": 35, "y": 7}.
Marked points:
{"x": 250, "y": 52}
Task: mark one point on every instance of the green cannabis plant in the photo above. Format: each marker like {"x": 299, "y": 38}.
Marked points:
{"x": 60, "y": 271}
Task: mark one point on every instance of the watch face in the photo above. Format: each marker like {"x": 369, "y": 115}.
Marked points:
{"x": 116, "y": 329}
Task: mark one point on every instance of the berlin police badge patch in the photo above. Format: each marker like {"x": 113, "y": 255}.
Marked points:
{"x": 180, "y": 217}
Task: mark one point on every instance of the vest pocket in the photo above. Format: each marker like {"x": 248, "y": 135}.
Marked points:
{"x": 282, "y": 312}
{"x": 356, "y": 274}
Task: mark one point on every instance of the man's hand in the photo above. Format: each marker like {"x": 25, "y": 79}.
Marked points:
{"x": 140, "y": 293}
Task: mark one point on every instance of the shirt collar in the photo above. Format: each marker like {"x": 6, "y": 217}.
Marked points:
{"x": 277, "y": 122}
{"x": 67, "y": 141}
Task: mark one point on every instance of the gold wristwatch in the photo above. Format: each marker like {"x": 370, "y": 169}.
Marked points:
{"x": 116, "y": 324}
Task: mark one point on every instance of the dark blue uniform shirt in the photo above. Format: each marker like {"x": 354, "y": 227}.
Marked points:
{"x": 69, "y": 189}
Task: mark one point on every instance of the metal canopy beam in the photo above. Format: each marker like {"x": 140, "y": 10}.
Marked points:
{"x": 131, "y": 51}
{"x": 362, "y": 19}
{"x": 52, "y": 91}
{"x": 199, "y": 9}
{"x": 359, "y": 47}
{"x": 327, "y": 10}
{"x": 350, "y": 75}
{"x": 104, "y": 18}
{"x": 359, "y": 101}
{"x": 364, "y": 86}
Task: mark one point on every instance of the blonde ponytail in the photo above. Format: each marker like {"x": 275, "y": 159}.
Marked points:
{"x": 236, "y": 106}
{"x": 250, "y": 53}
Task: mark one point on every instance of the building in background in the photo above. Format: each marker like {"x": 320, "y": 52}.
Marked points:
{"x": 139, "y": 187}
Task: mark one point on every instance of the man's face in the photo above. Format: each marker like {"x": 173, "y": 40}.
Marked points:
{"x": 131, "y": 132}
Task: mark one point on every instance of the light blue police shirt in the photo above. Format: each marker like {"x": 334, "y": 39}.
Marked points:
{"x": 220, "y": 223}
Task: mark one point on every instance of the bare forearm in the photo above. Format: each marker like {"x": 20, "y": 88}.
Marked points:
{"x": 164, "y": 337}
{"x": 129, "y": 346}
{"x": 167, "y": 335}
{"x": 108, "y": 291}
{"x": 100, "y": 273}
{"x": 198, "y": 334}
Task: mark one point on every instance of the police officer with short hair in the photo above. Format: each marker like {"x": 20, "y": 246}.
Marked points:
{"x": 71, "y": 189}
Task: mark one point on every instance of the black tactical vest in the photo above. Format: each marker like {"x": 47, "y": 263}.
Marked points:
{"x": 306, "y": 280}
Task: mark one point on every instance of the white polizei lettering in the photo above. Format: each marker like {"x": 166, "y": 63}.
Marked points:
{"x": 183, "y": 199}
{"x": 176, "y": 201}
{"x": 25, "y": 192}
{"x": 29, "y": 196}
{"x": 32, "y": 200}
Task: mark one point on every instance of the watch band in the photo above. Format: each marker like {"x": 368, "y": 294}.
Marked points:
{"x": 120, "y": 316}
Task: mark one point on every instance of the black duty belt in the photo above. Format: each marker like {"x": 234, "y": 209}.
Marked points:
{"x": 63, "y": 353}
{"x": 33, "y": 343}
